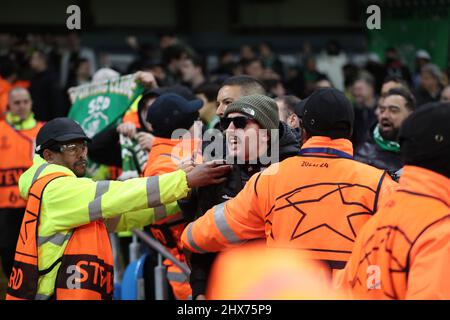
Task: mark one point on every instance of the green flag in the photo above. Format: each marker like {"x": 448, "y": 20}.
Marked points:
{"x": 96, "y": 106}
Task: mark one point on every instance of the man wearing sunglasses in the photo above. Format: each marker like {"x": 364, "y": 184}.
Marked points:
{"x": 250, "y": 124}
{"x": 317, "y": 202}
{"x": 68, "y": 217}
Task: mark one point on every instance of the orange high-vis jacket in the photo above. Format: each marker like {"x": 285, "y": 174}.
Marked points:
{"x": 17, "y": 150}
{"x": 166, "y": 154}
{"x": 164, "y": 157}
{"x": 403, "y": 252}
{"x": 87, "y": 252}
{"x": 317, "y": 202}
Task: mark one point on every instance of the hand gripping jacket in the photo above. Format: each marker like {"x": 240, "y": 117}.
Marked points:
{"x": 403, "y": 251}
{"x": 86, "y": 271}
{"x": 16, "y": 149}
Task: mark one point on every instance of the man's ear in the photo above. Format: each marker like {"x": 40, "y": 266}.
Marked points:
{"x": 292, "y": 121}
{"x": 47, "y": 155}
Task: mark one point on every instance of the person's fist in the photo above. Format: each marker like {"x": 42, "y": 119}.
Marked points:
{"x": 128, "y": 129}
{"x": 147, "y": 79}
{"x": 145, "y": 140}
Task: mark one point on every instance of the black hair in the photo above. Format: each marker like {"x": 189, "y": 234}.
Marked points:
{"x": 173, "y": 52}
{"x": 248, "y": 85}
{"x": 396, "y": 79}
{"x": 406, "y": 94}
{"x": 209, "y": 89}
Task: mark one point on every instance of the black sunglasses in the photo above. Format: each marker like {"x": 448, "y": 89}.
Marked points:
{"x": 239, "y": 122}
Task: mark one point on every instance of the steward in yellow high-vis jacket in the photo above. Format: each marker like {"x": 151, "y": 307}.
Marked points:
{"x": 63, "y": 251}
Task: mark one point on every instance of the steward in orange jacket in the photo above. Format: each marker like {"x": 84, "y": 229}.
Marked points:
{"x": 404, "y": 251}
{"x": 317, "y": 201}
{"x": 168, "y": 113}
{"x": 17, "y": 139}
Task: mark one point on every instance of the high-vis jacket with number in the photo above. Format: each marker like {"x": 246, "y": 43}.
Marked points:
{"x": 17, "y": 150}
{"x": 403, "y": 252}
{"x": 317, "y": 201}
{"x": 70, "y": 204}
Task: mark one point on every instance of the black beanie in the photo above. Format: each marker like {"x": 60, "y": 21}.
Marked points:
{"x": 425, "y": 138}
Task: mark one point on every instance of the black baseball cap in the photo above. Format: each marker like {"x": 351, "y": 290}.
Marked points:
{"x": 327, "y": 112}
{"x": 59, "y": 130}
{"x": 425, "y": 137}
{"x": 299, "y": 108}
{"x": 171, "y": 111}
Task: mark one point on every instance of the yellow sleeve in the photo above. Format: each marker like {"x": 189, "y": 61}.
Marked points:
{"x": 141, "y": 218}
{"x": 69, "y": 202}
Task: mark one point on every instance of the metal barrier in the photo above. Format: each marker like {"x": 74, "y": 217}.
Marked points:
{"x": 161, "y": 289}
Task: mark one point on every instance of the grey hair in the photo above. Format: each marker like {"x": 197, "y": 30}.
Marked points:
{"x": 434, "y": 71}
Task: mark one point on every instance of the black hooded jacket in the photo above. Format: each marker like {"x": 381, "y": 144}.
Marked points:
{"x": 203, "y": 199}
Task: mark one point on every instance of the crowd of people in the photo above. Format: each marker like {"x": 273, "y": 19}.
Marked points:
{"x": 345, "y": 162}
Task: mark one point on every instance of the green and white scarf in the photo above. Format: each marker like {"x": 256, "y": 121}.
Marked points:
{"x": 387, "y": 145}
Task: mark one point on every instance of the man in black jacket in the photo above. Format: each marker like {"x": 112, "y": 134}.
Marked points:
{"x": 381, "y": 149}
{"x": 250, "y": 118}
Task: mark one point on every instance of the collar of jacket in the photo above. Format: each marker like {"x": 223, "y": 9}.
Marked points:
{"x": 343, "y": 145}
{"x": 426, "y": 181}
{"x": 18, "y": 124}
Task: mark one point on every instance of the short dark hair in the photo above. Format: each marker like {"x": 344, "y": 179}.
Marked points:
{"x": 209, "y": 89}
{"x": 396, "y": 79}
{"x": 248, "y": 85}
{"x": 246, "y": 62}
{"x": 290, "y": 101}
{"x": 173, "y": 52}
{"x": 197, "y": 61}
{"x": 406, "y": 94}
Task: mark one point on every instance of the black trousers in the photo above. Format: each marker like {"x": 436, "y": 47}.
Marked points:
{"x": 10, "y": 222}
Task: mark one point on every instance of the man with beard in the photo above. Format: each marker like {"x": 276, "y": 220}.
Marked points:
{"x": 382, "y": 149}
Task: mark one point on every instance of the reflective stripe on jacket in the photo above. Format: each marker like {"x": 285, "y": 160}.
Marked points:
{"x": 69, "y": 202}
{"x": 164, "y": 157}
{"x": 317, "y": 201}
{"x": 86, "y": 266}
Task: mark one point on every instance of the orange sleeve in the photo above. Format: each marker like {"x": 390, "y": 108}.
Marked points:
{"x": 228, "y": 224}
{"x": 430, "y": 264}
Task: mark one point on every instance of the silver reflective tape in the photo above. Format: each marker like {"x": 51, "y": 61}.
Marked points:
{"x": 160, "y": 213}
{"x": 111, "y": 223}
{"x": 57, "y": 239}
{"x": 41, "y": 297}
{"x": 39, "y": 171}
{"x": 153, "y": 195}
{"x": 176, "y": 277}
{"x": 95, "y": 206}
{"x": 222, "y": 224}
{"x": 191, "y": 240}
